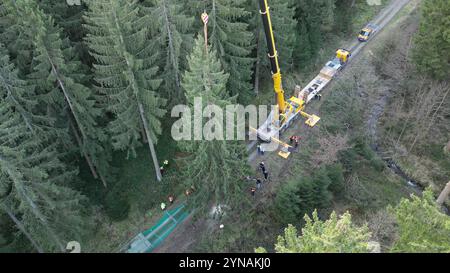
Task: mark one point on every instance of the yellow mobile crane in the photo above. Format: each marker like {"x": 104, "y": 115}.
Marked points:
{"x": 287, "y": 110}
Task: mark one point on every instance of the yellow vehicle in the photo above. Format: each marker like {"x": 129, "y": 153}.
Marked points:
{"x": 365, "y": 33}
{"x": 342, "y": 55}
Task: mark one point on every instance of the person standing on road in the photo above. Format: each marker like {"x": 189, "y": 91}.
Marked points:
{"x": 258, "y": 183}
{"x": 266, "y": 175}
{"x": 262, "y": 166}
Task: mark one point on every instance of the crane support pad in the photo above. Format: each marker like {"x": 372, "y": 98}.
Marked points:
{"x": 284, "y": 154}
{"x": 312, "y": 120}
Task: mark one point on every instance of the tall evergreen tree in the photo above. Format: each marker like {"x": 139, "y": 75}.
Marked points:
{"x": 229, "y": 35}
{"x": 328, "y": 15}
{"x": 58, "y": 87}
{"x": 126, "y": 73}
{"x": 15, "y": 36}
{"x": 69, "y": 18}
{"x": 335, "y": 235}
{"x": 343, "y": 16}
{"x": 20, "y": 95}
{"x": 37, "y": 197}
{"x": 432, "y": 41}
{"x": 422, "y": 226}
{"x": 171, "y": 30}
{"x": 214, "y": 167}
{"x": 315, "y": 19}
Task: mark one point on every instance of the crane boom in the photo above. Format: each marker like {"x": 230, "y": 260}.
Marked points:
{"x": 287, "y": 111}
{"x": 273, "y": 55}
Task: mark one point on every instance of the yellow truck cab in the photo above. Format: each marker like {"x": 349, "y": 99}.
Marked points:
{"x": 343, "y": 55}
{"x": 365, "y": 33}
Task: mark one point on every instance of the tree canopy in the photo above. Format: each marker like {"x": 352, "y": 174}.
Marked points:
{"x": 336, "y": 235}
{"x": 432, "y": 41}
{"x": 422, "y": 226}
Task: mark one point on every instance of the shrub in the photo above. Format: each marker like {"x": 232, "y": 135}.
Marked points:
{"x": 377, "y": 164}
{"x": 294, "y": 200}
{"x": 363, "y": 149}
{"x": 335, "y": 173}
{"x": 348, "y": 159}
{"x": 301, "y": 196}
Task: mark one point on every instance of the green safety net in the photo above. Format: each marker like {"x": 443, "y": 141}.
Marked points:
{"x": 149, "y": 239}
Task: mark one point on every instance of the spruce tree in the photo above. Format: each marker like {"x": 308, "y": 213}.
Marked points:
{"x": 15, "y": 36}
{"x": 37, "y": 197}
{"x": 229, "y": 35}
{"x": 39, "y": 39}
{"x": 126, "y": 73}
{"x": 50, "y": 211}
{"x": 171, "y": 30}
{"x": 20, "y": 94}
{"x": 216, "y": 168}
{"x": 58, "y": 88}
{"x": 336, "y": 235}
{"x": 69, "y": 18}
{"x": 304, "y": 54}
{"x": 422, "y": 227}
{"x": 343, "y": 16}
{"x": 301, "y": 196}
{"x": 315, "y": 19}
{"x": 432, "y": 41}
{"x": 328, "y": 15}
